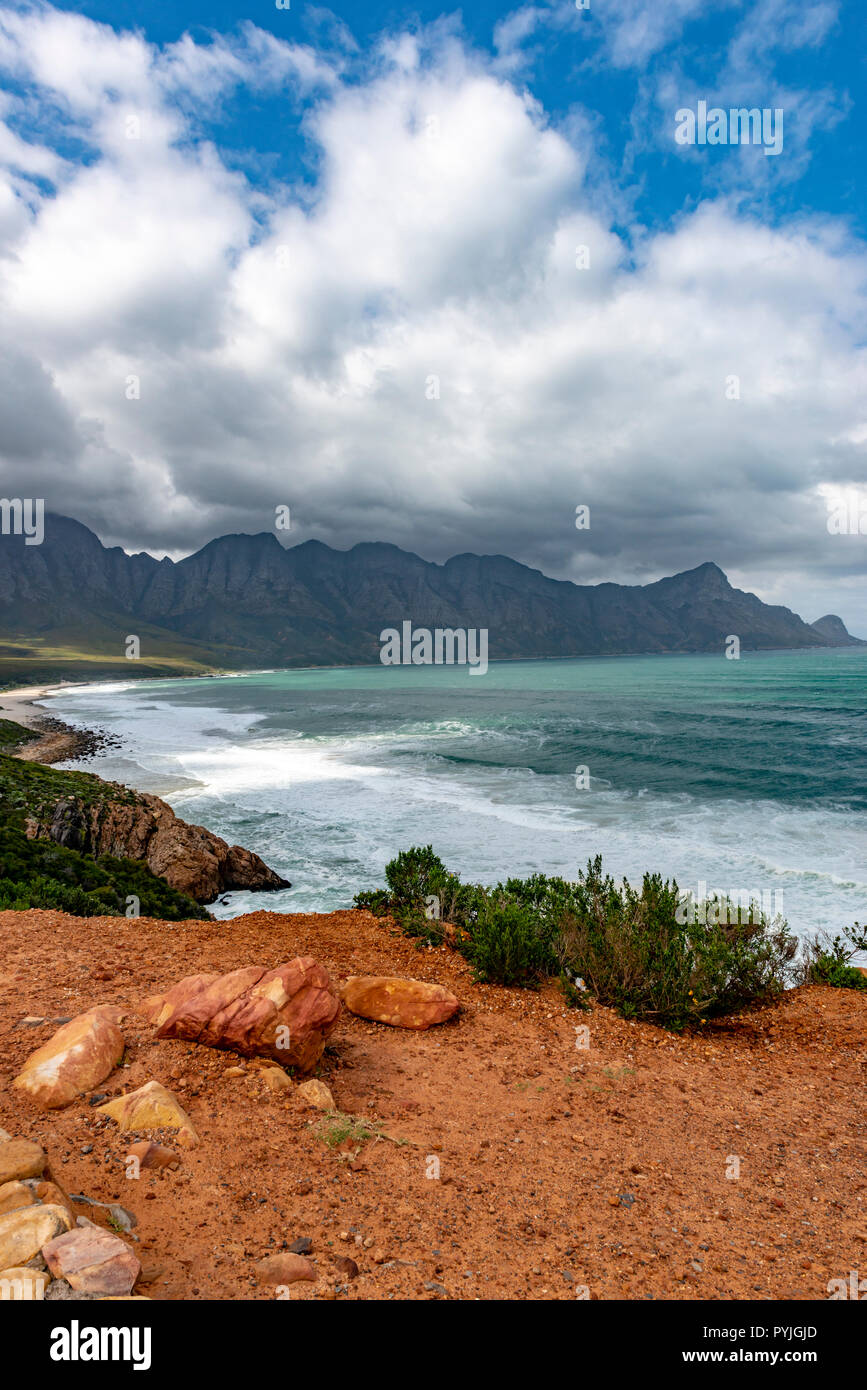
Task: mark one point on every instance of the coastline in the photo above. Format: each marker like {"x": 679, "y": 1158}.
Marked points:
{"x": 57, "y": 741}
{"x": 20, "y": 706}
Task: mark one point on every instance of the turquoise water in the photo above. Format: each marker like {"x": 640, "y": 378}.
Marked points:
{"x": 746, "y": 775}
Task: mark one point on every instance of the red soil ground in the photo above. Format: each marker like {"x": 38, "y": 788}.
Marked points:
{"x": 560, "y": 1166}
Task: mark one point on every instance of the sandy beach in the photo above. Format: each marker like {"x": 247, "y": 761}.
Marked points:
{"x": 21, "y": 706}
{"x": 58, "y": 741}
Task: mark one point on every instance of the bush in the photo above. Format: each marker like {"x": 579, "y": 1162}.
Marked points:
{"x": 828, "y": 960}
{"x": 376, "y": 901}
{"x": 506, "y": 946}
{"x": 415, "y": 875}
{"x": 640, "y": 953}
{"x": 636, "y": 949}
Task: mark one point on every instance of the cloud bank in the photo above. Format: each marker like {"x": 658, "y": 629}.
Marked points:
{"x": 445, "y": 335}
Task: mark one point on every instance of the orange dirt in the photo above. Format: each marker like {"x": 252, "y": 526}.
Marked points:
{"x": 560, "y": 1167}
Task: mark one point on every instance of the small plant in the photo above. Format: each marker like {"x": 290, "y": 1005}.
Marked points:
{"x": 829, "y": 959}
{"x": 376, "y": 901}
{"x": 337, "y": 1128}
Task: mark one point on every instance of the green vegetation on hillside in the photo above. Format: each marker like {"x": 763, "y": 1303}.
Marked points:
{"x": 26, "y": 789}
{"x": 95, "y": 651}
{"x": 623, "y": 946}
{"x": 40, "y": 873}
{"x": 12, "y": 735}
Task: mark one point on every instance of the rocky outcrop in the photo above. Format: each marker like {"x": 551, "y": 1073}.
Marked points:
{"x": 137, "y": 825}
{"x": 401, "y": 1003}
{"x": 833, "y": 629}
{"x": 286, "y": 1013}
{"x": 79, "y": 1055}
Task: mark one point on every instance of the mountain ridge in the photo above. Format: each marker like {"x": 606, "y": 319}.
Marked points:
{"x": 245, "y": 601}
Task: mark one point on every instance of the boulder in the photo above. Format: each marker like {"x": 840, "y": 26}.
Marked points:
{"x": 20, "y": 1158}
{"x": 286, "y": 1013}
{"x": 151, "y": 1107}
{"x": 24, "y": 1232}
{"x": 92, "y": 1261}
{"x": 401, "y": 1003}
{"x": 79, "y": 1055}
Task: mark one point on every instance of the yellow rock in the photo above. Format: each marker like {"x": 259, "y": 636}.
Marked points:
{"x": 22, "y": 1284}
{"x": 151, "y": 1107}
{"x": 400, "y": 1003}
{"x": 14, "y": 1195}
{"x": 80, "y": 1055}
{"x": 317, "y": 1094}
{"x": 275, "y": 1078}
{"x": 23, "y": 1233}
{"x": 20, "y": 1158}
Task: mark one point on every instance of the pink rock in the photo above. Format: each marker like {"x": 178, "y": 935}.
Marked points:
{"x": 92, "y": 1261}
{"x": 286, "y": 1013}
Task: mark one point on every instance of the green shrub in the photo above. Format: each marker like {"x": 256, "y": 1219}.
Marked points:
{"x": 376, "y": 901}
{"x": 506, "y": 946}
{"x": 415, "y": 875}
{"x": 828, "y": 960}
{"x": 12, "y": 734}
{"x": 639, "y": 953}
{"x": 40, "y": 873}
{"x": 637, "y": 950}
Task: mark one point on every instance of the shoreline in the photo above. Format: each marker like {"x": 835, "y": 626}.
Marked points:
{"x": 57, "y": 742}
{"x": 20, "y": 706}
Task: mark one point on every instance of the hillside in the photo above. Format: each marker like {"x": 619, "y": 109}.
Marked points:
{"x": 607, "y": 1168}
{"x": 241, "y": 602}
{"x": 72, "y": 833}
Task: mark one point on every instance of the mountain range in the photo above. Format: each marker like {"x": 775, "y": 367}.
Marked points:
{"x": 246, "y": 601}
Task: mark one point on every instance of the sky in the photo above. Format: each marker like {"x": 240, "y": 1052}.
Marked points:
{"x": 439, "y": 277}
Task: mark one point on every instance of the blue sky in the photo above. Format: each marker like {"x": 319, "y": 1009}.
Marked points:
{"x": 803, "y": 55}
{"x": 328, "y": 257}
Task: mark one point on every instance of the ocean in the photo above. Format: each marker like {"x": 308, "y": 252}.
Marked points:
{"x": 745, "y": 776}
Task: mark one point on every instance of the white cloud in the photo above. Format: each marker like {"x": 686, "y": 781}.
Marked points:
{"x": 284, "y": 356}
